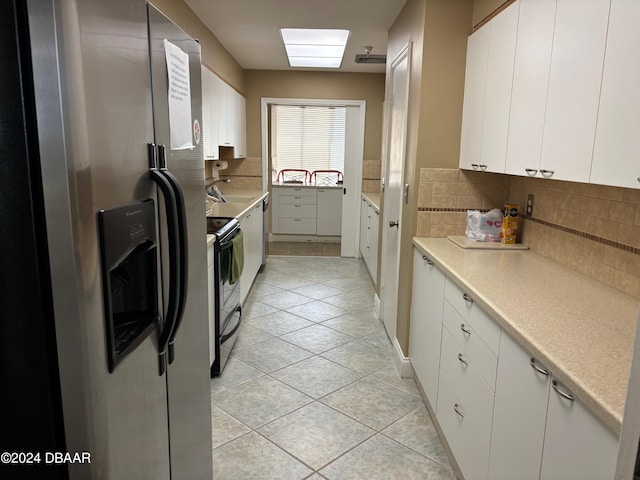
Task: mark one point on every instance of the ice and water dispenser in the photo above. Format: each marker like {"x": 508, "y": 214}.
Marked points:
{"x": 130, "y": 276}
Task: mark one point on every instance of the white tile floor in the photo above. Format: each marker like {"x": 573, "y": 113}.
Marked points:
{"x": 310, "y": 390}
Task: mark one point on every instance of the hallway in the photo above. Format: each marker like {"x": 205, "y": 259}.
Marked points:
{"x": 310, "y": 390}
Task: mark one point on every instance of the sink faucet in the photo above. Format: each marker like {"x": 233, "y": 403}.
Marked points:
{"x": 220, "y": 180}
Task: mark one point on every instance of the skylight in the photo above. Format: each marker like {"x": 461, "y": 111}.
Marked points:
{"x": 314, "y": 47}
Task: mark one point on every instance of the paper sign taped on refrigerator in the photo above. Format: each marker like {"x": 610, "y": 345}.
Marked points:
{"x": 179, "y": 96}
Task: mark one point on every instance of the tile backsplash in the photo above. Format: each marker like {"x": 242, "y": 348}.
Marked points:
{"x": 593, "y": 229}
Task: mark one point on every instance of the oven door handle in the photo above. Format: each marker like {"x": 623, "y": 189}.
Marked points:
{"x": 174, "y": 263}
{"x": 226, "y": 336}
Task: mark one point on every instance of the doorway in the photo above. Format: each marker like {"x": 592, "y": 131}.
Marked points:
{"x": 354, "y": 154}
{"x": 394, "y": 190}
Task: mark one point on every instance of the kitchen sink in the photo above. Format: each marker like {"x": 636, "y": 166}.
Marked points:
{"x": 238, "y": 198}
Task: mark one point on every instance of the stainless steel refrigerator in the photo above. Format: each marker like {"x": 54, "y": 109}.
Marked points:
{"x": 104, "y": 244}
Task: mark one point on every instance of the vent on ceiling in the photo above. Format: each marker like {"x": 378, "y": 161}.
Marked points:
{"x": 367, "y": 58}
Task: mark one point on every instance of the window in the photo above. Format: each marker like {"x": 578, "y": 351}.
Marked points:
{"x": 307, "y": 138}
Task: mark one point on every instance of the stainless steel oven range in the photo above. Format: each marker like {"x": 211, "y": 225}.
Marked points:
{"x": 228, "y": 311}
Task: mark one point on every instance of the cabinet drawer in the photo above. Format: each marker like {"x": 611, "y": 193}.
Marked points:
{"x": 468, "y": 433}
{"x": 303, "y": 226}
{"x": 482, "y": 323}
{"x": 296, "y": 210}
{"x": 297, "y": 199}
{"x": 470, "y": 345}
{"x": 296, "y": 191}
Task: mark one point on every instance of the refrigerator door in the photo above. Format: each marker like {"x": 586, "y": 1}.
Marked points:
{"x": 94, "y": 111}
{"x": 188, "y": 380}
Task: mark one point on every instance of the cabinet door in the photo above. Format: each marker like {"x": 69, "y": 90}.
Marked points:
{"x": 519, "y": 414}
{"x": 495, "y": 123}
{"x": 576, "y": 444}
{"x": 329, "y": 213}
{"x": 574, "y": 89}
{"x": 426, "y": 324}
{"x": 240, "y": 134}
{"x": 206, "y": 112}
{"x": 363, "y": 228}
{"x": 373, "y": 243}
{"x": 475, "y": 82}
{"x": 616, "y": 156}
{"x": 530, "y": 82}
{"x": 226, "y": 118}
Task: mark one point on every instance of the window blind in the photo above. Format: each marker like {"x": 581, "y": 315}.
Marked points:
{"x": 308, "y": 137}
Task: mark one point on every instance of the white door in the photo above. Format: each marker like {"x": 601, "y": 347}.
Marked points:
{"x": 390, "y": 265}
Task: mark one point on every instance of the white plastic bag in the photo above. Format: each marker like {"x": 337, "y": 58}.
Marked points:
{"x": 484, "y": 227}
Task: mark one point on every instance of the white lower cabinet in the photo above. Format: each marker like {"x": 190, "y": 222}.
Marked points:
{"x": 251, "y": 224}
{"x": 369, "y": 228}
{"x": 502, "y": 413}
{"x": 329, "y": 213}
{"x": 426, "y": 324}
{"x": 576, "y": 444}
{"x": 522, "y": 390}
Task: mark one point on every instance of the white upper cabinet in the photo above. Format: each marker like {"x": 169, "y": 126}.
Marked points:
{"x": 530, "y": 81}
{"x": 616, "y": 155}
{"x": 497, "y": 103}
{"x": 487, "y": 94}
{"x": 473, "y": 108}
{"x": 240, "y": 137}
{"x": 209, "y": 116}
{"x": 574, "y": 89}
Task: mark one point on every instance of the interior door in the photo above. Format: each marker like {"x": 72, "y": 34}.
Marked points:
{"x": 393, "y": 195}
{"x": 354, "y": 145}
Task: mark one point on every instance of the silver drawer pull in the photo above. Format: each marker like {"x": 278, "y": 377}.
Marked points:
{"x": 474, "y": 166}
{"x": 297, "y": 219}
{"x": 464, "y": 329}
{"x": 297, "y": 205}
{"x": 531, "y": 171}
{"x": 297, "y": 198}
{"x": 547, "y": 173}
{"x": 467, "y": 297}
{"x": 543, "y": 371}
{"x": 427, "y": 260}
{"x": 482, "y": 167}
{"x": 457, "y": 409}
{"x": 568, "y": 396}
{"x": 462, "y": 360}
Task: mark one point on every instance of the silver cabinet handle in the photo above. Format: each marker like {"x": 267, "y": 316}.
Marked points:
{"x": 467, "y": 297}
{"x": 462, "y": 360}
{"x": 427, "y": 260}
{"x": 547, "y": 173}
{"x": 393, "y": 223}
{"x": 482, "y": 167}
{"x": 297, "y": 219}
{"x": 639, "y": 179}
{"x": 456, "y": 408}
{"x": 543, "y": 371}
{"x": 464, "y": 329}
{"x": 474, "y": 166}
{"x": 531, "y": 171}
{"x": 568, "y": 396}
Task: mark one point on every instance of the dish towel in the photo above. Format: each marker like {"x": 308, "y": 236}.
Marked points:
{"x": 237, "y": 258}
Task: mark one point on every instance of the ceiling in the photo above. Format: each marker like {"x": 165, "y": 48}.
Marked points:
{"x": 249, "y": 29}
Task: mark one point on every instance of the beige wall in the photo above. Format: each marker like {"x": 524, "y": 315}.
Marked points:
{"x": 214, "y": 55}
{"x": 438, "y": 31}
{"x": 483, "y": 8}
{"x": 315, "y": 85}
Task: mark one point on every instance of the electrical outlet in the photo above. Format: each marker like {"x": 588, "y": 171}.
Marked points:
{"x": 530, "y": 201}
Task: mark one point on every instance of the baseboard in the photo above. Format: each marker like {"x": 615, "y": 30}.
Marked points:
{"x": 403, "y": 364}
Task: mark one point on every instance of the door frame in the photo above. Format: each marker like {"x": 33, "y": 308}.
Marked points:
{"x": 350, "y": 212}
{"x": 385, "y": 306}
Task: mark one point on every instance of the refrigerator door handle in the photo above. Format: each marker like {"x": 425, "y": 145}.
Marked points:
{"x": 174, "y": 265}
{"x": 184, "y": 251}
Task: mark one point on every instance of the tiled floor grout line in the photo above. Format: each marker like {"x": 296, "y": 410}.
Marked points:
{"x": 374, "y": 337}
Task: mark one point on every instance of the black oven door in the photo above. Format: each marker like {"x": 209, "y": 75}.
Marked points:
{"x": 229, "y": 334}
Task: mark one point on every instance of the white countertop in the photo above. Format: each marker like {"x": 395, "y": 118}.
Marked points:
{"x": 582, "y": 330}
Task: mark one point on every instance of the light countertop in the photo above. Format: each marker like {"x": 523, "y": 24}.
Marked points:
{"x": 235, "y": 209}
{"x": 581, "y": 330}
{"x": 373, "y": 199}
